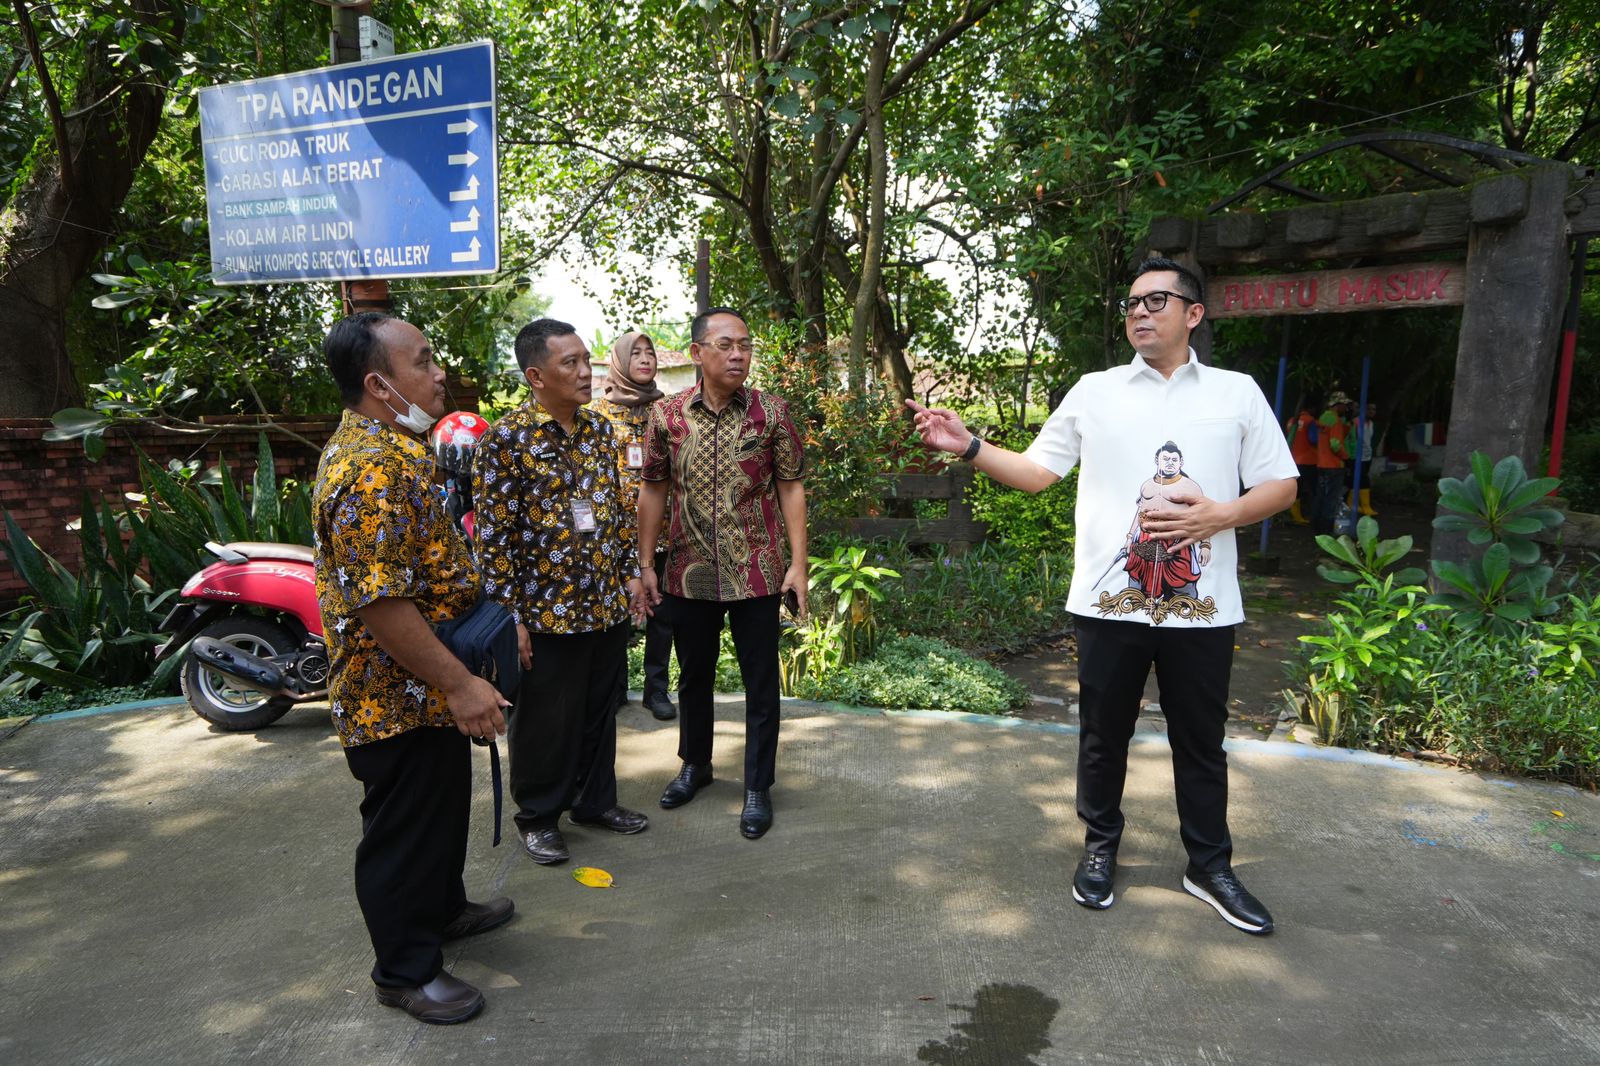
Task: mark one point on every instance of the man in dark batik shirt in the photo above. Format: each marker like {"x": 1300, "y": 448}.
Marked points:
{"x": 555, "y": 541}
{"x": 732, "y": 460}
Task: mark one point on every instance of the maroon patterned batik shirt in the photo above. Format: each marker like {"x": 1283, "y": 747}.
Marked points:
{"x": 727, "y": 539}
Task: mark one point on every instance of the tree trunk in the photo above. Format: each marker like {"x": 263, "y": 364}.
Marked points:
{"x": 51, "y": 235}
{"x": 877, "y": 202}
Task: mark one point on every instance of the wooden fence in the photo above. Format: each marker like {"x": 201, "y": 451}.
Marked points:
{"x": 958, "y": 529}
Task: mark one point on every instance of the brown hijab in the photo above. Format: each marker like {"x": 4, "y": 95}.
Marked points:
{"x": 621, "y": 389}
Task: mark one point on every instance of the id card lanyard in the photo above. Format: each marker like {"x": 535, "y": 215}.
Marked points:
{"x": 583, "y": 519}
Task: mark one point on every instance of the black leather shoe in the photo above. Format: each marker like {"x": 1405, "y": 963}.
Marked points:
{"x": 661, "y": 707}
{"x": 547, "y": 847}
{"x": 756, "y": 818}
{"x": 681, "y": 789}
{"x": 617, "y": 819}
{"x": 1091, "y": 885}
{"x": 442, "y": 1001}
{"x": 478, "y": 918}
{"x": 1224, "y": 892}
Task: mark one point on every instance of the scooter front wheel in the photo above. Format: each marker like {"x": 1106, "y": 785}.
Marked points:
{"x": 221, "y": 700}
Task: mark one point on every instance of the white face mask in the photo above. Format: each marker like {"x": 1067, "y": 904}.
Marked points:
{"x": 415, "y": 419}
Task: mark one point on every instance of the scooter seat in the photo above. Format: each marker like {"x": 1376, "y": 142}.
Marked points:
{"x": 257, "y": 549}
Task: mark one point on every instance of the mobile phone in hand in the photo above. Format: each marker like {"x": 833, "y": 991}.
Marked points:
{"x": 791, "y": 602}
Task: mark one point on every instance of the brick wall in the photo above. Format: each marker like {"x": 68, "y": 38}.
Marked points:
{"x": 42, "y": 482}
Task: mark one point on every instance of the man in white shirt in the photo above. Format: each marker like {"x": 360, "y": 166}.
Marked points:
{"x": 1178, "y": 600}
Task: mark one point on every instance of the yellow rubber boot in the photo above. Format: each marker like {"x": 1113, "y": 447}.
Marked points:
{"x": 1296, "y": 516}
{"x": 1366, "y": 503}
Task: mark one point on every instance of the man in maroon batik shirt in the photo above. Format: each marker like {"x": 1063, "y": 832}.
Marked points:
{"x": 733, "y": 462}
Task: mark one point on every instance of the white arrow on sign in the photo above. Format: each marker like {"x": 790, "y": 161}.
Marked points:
{"x": 468, "y": 226}
{"x": 469, "y": 193}
{"x": 465, "y": 159}
{"x": 466, "y": 257}
{"x": 468, "y": 126}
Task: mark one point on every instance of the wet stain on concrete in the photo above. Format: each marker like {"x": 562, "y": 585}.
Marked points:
{"x": 1008, "y": 1024}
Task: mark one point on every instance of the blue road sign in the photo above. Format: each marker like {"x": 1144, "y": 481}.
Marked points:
{"x": 383, "y": 169}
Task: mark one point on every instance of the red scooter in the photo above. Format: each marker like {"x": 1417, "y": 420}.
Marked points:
{"x": 252, "y": 622}
{"x": 245, "y": 670}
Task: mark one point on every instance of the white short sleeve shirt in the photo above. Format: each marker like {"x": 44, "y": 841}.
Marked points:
{"x": 1140, "y": 439}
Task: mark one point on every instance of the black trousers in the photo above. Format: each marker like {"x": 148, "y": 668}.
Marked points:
{"x": 1305, "y": 489}
{"x": 1192, "y": 668}
{"x": 1330, "y": 492}
{"x": 418, "y": 791}
{"x": 562, "y": 734}
{"x": 697, "y": 627}
{"x": 657, "y": 656}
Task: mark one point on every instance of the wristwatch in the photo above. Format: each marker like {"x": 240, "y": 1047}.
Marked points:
{"x": 972, "y": 449}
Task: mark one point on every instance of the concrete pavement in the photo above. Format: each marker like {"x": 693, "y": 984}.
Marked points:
{"x": 172, "y": 895}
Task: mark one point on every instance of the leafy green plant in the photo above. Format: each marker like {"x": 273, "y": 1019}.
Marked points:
{"x": 1368, "y": 659}
{"x": 1367, "y": 557}
{"x": 94, "y": 627}
{"x": 853, "y": 585}
{"x": 1504, "y": 704}
{"x": 126, "y": 394}
{"x": 1490, "y": 591}
{"x": 810, "y": 649}
{"x": 1513, "y": 701}
{"x": 1500, "y": 507}
{"x": 917, "y": 672}
{"x": 996, "y": 597}
{"x": 55, "y": 701}
{"x": 1568, "y": 649}
{"x": 853, "y": 438}
{"x": 99, "y": 626}
{"x": 1034, "y": 522}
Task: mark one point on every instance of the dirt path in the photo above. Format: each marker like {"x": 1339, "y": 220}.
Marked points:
{"x": 1278, "y": 610}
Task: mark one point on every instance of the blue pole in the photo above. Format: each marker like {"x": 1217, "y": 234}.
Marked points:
{"x": 1361, "y": 429}
{"x": 1277, "y": 414}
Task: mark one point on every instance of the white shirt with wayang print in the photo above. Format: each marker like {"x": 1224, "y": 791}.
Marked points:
{"x": 1137, "y": 436}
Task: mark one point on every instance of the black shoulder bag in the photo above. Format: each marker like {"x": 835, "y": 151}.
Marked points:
{"x": 485, "y": 640}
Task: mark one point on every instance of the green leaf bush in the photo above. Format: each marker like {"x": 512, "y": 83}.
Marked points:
{"x": 100, "y": 626}
{"x": 1029, "y": 521}
{"x": 922, "y": 673}
{"x": 1511, "y": 692}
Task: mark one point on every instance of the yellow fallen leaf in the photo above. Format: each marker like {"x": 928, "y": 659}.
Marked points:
{"x": 592, "y": 877}
{"x": 1559, "y": 814}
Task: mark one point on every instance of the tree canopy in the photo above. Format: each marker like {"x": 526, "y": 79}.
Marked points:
{"x": 881, "y": 175}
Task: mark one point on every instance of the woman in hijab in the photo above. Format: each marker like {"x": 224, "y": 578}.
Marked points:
{"x": 630, "y": 390}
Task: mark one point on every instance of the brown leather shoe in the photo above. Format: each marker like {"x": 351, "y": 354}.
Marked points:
{"x": 617, "y": 819}
{"x": 442, "y": 1001}
{"x": 547, "y": 847}
{"x": 478, "y": 918}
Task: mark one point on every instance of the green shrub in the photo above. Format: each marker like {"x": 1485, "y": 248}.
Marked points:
{"x": 1522, "y": 706}
{"x": 1519, "y": 702}
{"x": 1032, "y": 522}
{"x": 917, "y": 672}
{"x": 996, "y": 597}
{"x": 100, "y": 625}
{"x": 1580, "y": 469}
{"x": 54, "y": 701}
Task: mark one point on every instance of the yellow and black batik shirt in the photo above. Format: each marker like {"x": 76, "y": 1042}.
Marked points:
{"x": 382, "y": 531}
{"x": 630, "y": 424}
{"x": 530, "y": 482}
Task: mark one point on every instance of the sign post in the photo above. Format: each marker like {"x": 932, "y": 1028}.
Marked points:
{"x": 380, "y": 169}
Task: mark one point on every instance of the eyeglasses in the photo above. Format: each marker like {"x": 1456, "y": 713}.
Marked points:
{"x": 1153, "y": 301}
{"x": 724, "y": 345}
